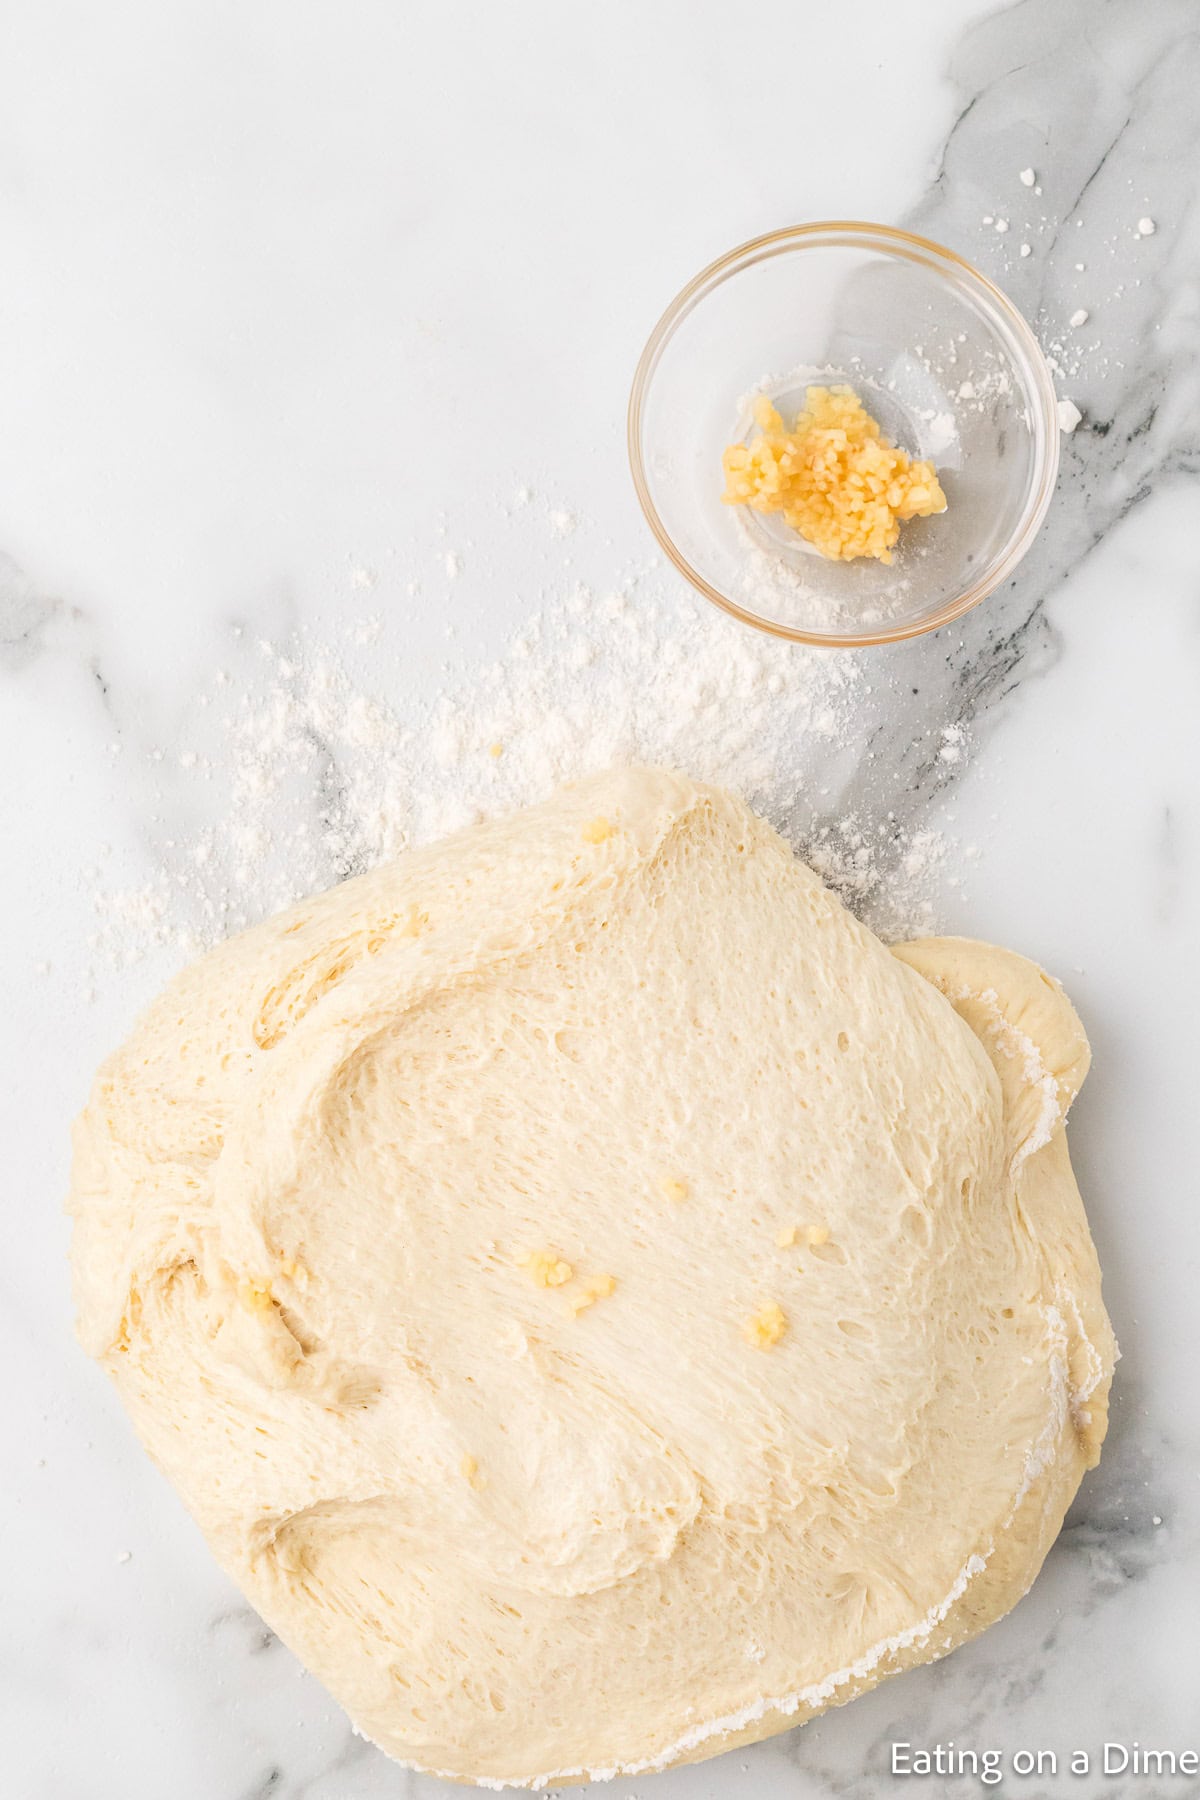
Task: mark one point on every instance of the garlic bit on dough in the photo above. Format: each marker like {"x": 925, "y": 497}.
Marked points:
{"x": 546, "y": 1268}
{"x": 766, "y": 1326}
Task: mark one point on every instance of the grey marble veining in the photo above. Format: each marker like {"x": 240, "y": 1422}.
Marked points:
{"x": 1098, "y": 102}
{"x": 239, "y": 294}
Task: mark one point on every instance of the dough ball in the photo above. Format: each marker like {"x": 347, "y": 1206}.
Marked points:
{"x": 600, "y": 1303}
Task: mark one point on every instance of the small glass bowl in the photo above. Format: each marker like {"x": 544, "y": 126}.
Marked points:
{"x": 937, "y": 355}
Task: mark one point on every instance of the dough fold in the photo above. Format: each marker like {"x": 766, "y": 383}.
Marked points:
{"x": 600, "y": 1303}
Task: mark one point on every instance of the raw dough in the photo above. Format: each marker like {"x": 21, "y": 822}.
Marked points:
{"x": 824, "y": 1369}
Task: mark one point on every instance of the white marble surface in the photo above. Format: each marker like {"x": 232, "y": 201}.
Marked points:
{"x": 291, "y": 291}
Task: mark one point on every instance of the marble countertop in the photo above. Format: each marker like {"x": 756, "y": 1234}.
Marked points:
{"x": 295, "y": 295}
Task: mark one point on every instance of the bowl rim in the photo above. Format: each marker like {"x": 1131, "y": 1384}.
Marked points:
{"x": 890, "y": 239}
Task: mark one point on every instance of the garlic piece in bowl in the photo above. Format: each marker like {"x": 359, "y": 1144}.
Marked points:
{"x": 834, "y": 477}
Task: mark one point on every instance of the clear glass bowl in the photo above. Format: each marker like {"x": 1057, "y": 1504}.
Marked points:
{"x": 937, "y": 354}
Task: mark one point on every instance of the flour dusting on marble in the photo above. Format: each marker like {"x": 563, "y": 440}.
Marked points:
{"x": 306, "y": 761}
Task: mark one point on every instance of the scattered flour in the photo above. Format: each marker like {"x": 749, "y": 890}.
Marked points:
{"x": 953, "y": 739}
{"x": 1048, "y": 1112}
{"x": 294, "y": 770}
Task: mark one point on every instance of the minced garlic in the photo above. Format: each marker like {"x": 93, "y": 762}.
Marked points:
{"x": 256, "y": 1295}
{"x": 546, "y": 1268}
{"x": 597, "y": 1287}
{"x": 835, "y": 478}
{"x": 674, "y": 1187}
{"x": 766, "y": 1326}
{"x": 812, "y": 1235}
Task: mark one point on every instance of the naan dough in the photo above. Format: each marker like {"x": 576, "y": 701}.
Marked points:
{"x": 536, "y": 1526}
